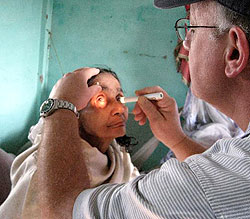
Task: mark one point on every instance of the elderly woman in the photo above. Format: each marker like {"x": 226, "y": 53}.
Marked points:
{"x": 102, "y": 126}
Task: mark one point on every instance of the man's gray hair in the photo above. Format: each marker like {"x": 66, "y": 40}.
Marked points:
{"x": 227, "y": 18}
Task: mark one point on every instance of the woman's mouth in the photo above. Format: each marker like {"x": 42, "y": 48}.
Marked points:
{"x": 117, "y": 124}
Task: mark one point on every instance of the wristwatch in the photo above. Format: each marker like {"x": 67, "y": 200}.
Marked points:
{"x": 49, "y": 106}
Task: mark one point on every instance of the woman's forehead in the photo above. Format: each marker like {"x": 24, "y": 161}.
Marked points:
{"x": 108, "y": 82}
{"x": 111, "y": 90}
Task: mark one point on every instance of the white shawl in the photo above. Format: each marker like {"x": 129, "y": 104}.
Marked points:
{"x": 115, "y": 167}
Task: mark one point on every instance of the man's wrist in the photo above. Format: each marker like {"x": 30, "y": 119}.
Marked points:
{"x": 50, "y": 105}
{"x": 180, "y": 142}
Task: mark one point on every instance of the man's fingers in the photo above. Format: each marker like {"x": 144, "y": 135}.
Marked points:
{"x": 149, "y": 109}
{"x": 92, "y": 91}
{"x": 148, "y": 90}
{"x": 67, "y": 74}
{"x": 139, "y": 116}
{"x": 165, "y": 104}
{"x": 88, "y": 72}
{"x": 136, "y": 109}
{"x": 143, "y": 121}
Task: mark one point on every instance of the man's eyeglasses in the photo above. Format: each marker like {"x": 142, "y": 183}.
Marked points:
{"x": 182, "y": 26}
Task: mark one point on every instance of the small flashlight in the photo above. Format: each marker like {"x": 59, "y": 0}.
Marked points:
{"x": 153, "y": 96}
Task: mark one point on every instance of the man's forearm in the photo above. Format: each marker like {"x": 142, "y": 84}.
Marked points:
{"x": 62, "y": 171}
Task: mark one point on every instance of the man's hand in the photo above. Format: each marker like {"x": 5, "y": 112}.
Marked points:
{"x": 163, "y": 116}
{"x": 73, "y": 87}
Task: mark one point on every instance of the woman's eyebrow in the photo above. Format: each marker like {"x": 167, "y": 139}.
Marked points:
{"x": 120, "y": 90}
{"x": 104, "y": 88}
{"x": 107, "y": 88}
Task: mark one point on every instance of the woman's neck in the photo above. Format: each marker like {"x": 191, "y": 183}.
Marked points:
{"x": 101, "y": 144}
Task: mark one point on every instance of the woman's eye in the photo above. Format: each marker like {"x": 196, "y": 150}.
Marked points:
{"x": 119, "y": 97}
{"x": 100, "y": 99}
{"x": 100, "y": 102}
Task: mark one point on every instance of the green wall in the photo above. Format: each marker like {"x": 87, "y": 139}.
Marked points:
{"x": 132, "y": 37}
{"x": 21, "y": 61}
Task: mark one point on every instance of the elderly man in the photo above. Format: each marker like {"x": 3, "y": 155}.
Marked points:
{"x": 212, "y": 184}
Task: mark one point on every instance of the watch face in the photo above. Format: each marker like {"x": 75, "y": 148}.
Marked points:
{"x": 47, "y": 105}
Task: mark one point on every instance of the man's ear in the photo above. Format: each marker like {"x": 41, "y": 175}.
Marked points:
{"x": 237, "y": 54}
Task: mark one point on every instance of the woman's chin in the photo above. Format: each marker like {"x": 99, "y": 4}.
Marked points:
{"x": 120, "y": 133}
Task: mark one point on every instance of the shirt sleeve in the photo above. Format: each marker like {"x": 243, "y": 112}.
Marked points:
{"x": 172, "y": 191}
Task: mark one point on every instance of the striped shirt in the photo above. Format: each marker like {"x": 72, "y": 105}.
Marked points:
{"x": 215, "y": 184}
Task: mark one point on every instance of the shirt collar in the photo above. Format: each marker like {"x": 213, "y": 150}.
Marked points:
{"x": 247, "y": 133}
{"x": 248, "y": 129}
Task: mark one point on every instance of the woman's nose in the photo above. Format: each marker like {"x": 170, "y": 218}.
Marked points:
{"x": 118, "y": 108}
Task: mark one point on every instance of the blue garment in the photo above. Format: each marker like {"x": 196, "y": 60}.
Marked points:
{"x": 215, "y": 184}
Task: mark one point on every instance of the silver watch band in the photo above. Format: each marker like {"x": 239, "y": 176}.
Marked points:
{"x": 63, "y": 104}
{"x": 49, "y": 106}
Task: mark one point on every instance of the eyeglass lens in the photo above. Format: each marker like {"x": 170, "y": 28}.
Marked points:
{"x": 182, "y": 28}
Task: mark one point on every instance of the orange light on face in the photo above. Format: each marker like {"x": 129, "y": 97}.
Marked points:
{"x": 100, "y": 102}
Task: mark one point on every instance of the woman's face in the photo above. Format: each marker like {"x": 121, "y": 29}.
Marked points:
{"x": 105, "y": 116}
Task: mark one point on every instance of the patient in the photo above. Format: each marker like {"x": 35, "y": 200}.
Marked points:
{"x": 102, "y": 126}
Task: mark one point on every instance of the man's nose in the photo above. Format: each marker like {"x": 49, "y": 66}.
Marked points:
{"x": 187, "y": 41}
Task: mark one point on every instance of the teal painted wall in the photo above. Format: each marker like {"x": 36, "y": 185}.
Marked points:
{"x": 44, "y": 39}
{"x": 22, "y": 36}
